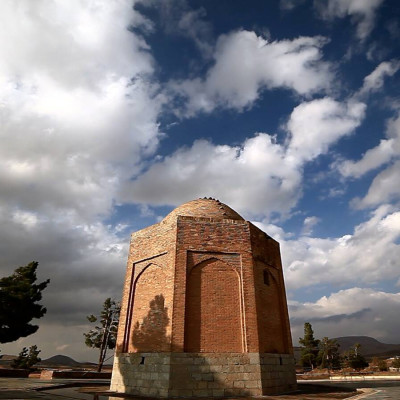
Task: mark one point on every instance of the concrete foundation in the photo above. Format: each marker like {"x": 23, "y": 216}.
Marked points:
{"x": 203, "y": 374}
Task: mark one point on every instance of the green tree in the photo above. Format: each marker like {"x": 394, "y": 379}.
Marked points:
{"x": 104, "y": 335}
{"x": 354, "y": 359}
{"x": 382, "y": 365}
{"x": 19, "y": 297}
{"x": 328, "y": 355}
{"x": 309, "y": 350}
{"x": 27, "y": 358}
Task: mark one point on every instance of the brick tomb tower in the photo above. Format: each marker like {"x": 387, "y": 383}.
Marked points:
{"x": 204, "y": 309}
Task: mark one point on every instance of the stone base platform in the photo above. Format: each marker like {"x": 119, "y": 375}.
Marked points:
{"x": 203, "y": 374}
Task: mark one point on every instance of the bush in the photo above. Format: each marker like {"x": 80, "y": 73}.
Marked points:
{"x": 396, "y": 363}
{"x": 382, "y": 365}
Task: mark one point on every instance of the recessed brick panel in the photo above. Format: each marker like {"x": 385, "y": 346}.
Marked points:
{"x": 212, "y": 303}
{"x": 150, "y": 320}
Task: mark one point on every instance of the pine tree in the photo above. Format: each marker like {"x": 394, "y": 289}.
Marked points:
{"x": 309, "y": 351}
{"x": 328, "y": 355}
{"x": 19, "y": 297}
{"x": 104, "y": 336}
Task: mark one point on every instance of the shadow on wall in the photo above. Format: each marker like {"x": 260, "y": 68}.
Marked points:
{"x": 153, "y": 371}
{"x": 151, "y": 334}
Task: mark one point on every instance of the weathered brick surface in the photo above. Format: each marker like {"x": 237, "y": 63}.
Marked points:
{"x": 203, "y": 281}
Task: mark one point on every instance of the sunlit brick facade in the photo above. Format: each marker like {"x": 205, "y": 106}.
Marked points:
{"x": 204, "y": 309}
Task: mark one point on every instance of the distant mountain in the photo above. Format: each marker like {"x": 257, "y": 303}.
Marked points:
{"x": 60, "y": 360}
{"x": 369, "y": 346}
{"x": 6, "y": 359}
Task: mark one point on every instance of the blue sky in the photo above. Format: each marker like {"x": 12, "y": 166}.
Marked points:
{"x": 113, "y": 113}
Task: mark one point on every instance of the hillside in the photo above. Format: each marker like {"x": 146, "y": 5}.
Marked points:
{"x": 6, "y": 360}
{"x": 60, "y": 360}
{"x": 369, "y": 346}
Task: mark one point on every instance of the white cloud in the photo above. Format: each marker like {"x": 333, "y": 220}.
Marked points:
{"x": 74, "y": 124}
{"x": 375, "y": 80}
{"x": 308, "y": 225}
{"x": 246, "y": 64}
{"x": 351, "y": 312}
{"x": 384, "y": 188}
{"x": 365, "y": 256}
{"x": 387, "y": 150}
{"x": 74, "y": 42}
{"x": 275, "y": 231}
{"x": 317, "y": 124}
{"x": 25, "y": 218}
{"x": 289, "y": 5}
{"x": 362, "y": 12}
{"x": 257, "y": 178}
{"x": 78, "y": 112}
{"x": 372, "y": 159}
{"x": 254, "y": 178}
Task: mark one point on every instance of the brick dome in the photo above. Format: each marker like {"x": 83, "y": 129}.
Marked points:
{"x": 204, "y": 208}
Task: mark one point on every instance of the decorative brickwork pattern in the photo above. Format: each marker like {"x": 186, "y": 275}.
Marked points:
{"x": 204, "y": 309}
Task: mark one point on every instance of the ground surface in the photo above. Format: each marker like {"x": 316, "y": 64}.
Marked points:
{"x": 20, "y": 388}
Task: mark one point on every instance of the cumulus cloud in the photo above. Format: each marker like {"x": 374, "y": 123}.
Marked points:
{"x": 375, "y": 80}
{"x": 257, "y": 178}
{"x": 372, "y": 159}
{"x": 385, "y": 151}
{"x": 385, "y": 185}
{"x": 78, "y": 111}
{"x": 315, "y": 125}
{"x": 363, "y": 13}
{"x": 246, "y": 64}
{"x": 384, "y": 188}
{"x": 72, "y": 118}
{"x": 355, "y": 311}
{"x": 364, "y": 256}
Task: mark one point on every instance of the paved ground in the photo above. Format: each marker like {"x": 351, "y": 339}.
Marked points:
{"x": 23, "y": 388}
{"x": 373, "y": 390}
{"x": 20, "y": 388}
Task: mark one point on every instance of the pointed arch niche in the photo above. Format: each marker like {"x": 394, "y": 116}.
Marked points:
{"x": 213, "y": 301}
{"x": 148, "y": 325}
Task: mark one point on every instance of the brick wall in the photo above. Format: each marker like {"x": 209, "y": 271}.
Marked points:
{"x": 149, "y": 278}
{"x": 169, "y": 263}
{"x": 150, "y": 328}
{"x": 201, "y": 239}
{"x": 202, "y": 283}
{"x": 272, "y": 314}
{"x": 213, "y": 303}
